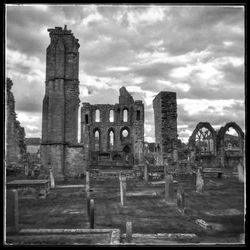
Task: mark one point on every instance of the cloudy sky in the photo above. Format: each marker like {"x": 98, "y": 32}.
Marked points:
{"x": 195, "y": 51}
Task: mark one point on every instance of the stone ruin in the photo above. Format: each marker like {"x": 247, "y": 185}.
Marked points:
{"x": 15, "y": 134}
{"x": 113, "y": 135}
{"x": 217, "y": 148}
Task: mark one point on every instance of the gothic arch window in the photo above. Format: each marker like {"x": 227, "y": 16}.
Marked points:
{"x": 111, "y": 139}
{"x": 97, "y": 140}
{"x": 232, "y": 140}
{"x": 111, "y": 115}
{"x": 125, "y": 115}
{"x": 97, "y": 115}
{"x": 204, "y": 141}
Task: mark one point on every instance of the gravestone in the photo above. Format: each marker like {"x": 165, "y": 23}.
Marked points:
{"x": 26, "y": 170}
{"x": 12, "y": 213}
{"x": 240, "y": 172}
{"x": 122, "y": 189}
{"x": 169, "y": 189}
{"x": 92, "y": 214}
{"x": 146, "y": 172}
{"x": 52, "y": 180}
{"x": 199, "y": 181}
{"x": 129, "y": 231}
{"x": 180, "y": 199}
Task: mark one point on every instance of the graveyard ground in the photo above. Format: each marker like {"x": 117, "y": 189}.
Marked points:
{"x": 221, "y": 205}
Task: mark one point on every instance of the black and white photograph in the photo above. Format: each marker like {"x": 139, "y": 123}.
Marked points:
{"x": 124, "y": 124}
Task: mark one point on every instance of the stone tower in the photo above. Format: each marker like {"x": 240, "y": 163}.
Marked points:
{"x": 165, "y": 116}
{"x": 61, "y": 100}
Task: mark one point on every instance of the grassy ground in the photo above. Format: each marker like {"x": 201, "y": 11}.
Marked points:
{"x": 66, "y": 208}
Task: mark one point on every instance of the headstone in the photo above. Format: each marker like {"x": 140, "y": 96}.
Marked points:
{"x": 240, "y": 172}
{"x": 12, "y": 213}
{"x": 92, "y": 214}
{"x": 52, "y": 180}
{"x": 87, "y": 193}
{"x": 242, "y": 238}
{"x": 129, "y": 231}
{"x": 175, "y": 155}
{"x": 199, "y": 181}
{"x": 32, "y": 173}
{"x": 180, "y": 199}
{"x": 169, "y": 189}
{"x": 26, "y": 170}
{"x": 122, "y": 189}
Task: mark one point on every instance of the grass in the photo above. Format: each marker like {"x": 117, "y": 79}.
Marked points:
{"x": 66, "y": 208}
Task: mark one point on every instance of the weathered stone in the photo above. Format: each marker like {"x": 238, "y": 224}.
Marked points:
{"x": 129, "y": 232}
{"x": 15, "y": 134}
{"x": 199, "y": 181}
{"x": 203, "y": 224}
{"x": 169, "y": 189}
{"x": 122, "y": 189}
{"x": 165, "y": 116}
{"x": 240, "y": 169}
{"x": 12, "y": 213}
{"x": 52, "y": 180}
{"x": 92, "y": 214}
{"x": 180, "y": 199}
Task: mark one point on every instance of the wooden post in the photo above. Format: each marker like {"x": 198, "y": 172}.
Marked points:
{"x": 87, "y": 193}
{"x": 129, "y": 231}
{"x": 169, "y": 189}
{"x": 146, "y": 171}
{"x": 92, "y": 214}
{"x": 122, "y": 188}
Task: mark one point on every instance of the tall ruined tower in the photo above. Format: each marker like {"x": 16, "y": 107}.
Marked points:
{"x": 61, "y": 100}
{"x": 165, "y": 116}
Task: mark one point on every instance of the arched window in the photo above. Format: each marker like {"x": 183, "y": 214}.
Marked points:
{"x": 138, "y": 115}
{"x": 97, "y": 140}
{"x": 125, "y": 115}
{"x": 111, "y": 115}
{"x": 204, "y": 141}
{"x": 97, "y": 115}
{"x": 232, "y": 140}
{"x": 111, "y": 140}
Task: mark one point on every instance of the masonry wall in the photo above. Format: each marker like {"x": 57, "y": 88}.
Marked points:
{"x": 15, "y": 134}
{"x": 60, "y": 105}
{"x": 165, "y": 114}
{"x": 134, "y": 126}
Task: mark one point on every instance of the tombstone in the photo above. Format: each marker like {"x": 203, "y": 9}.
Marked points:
{"x": 32, "y": 173}
{"x": 52, "y": 180}
{"x": 199, "y": 181}
{"x": 180, "y": 199}
{"x": 240, "y": 172}
{"x": 92, "y": 214}
{"x": 12, "y": 213}
{"x": 175, "y": 155}
{"x": 129, "y": 231}
{"x": 87, "y": 193}
{"x": 122, "y": 189}
{"x": 26, "y": 170}
{"x": 169, "y": 189}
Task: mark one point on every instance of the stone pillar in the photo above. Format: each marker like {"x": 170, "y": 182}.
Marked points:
{"x": 169, "y": 189}
{"x": 199, "y": 181}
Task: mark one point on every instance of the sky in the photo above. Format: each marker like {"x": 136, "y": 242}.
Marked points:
{"x": 196, "y": 51}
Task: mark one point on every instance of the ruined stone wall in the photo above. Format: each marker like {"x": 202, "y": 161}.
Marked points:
{"x": 61, "y": 102}
{"x": 165, "y": 114}
{"x": 15, "y": 134}
{"x": 135, "y": 127}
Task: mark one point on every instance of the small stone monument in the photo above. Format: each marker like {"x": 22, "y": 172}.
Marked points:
{"x": 122, "y": 188}
{"x": 26, "y": 170}
{"x": 169, "y": 189}
{"x": 180, "y": 199}
{"x": 52, "y": 180}
{"x": 129, "y": 231}
{"x": 240, "y": 169}
{"x": 12, "y": 215}
{"x": 199, "y": 181}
